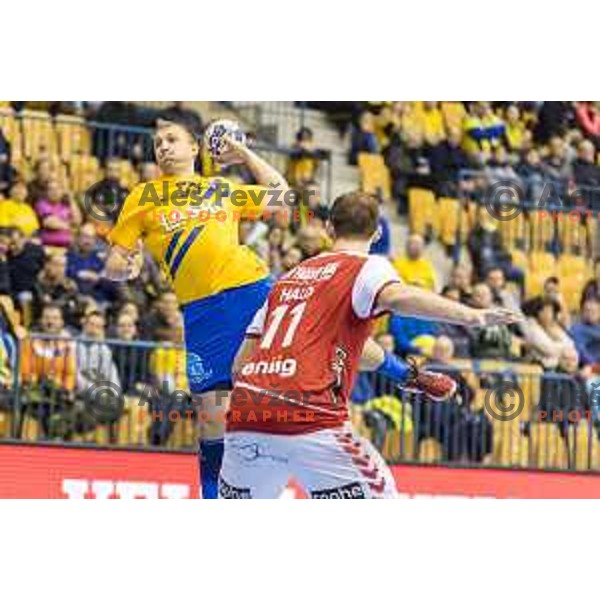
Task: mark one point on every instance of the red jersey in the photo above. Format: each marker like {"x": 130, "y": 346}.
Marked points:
{"x": 311, "y": 331}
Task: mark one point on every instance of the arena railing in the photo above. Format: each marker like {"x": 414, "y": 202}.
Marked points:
{"x": 560, "y": 198}
{"x": 133, "y": 394}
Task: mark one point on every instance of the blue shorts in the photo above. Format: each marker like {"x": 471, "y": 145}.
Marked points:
{"x": 214, "y": 329}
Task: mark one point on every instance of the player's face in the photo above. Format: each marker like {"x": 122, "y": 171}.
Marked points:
{"x": 175, "y": 149}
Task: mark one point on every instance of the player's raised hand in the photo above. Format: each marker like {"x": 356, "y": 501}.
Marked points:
{"x": 496, "y": 316}
{"x": 234, "y": 151}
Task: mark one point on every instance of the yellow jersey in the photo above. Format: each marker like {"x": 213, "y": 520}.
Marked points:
{"x": 20, "y": 215}
{"x": 418, "y": 272}
{"x": 190, "y": 225}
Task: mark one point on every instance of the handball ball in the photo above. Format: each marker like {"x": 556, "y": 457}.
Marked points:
{"x": 214, "y": 136}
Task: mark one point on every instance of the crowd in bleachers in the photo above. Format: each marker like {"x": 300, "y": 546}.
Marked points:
{"x": 52, "y": 253}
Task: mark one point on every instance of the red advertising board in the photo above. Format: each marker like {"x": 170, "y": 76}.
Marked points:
{"x": 57, "y": 472}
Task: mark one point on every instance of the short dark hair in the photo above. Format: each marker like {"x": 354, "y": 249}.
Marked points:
{"x": 93, "y": 313}
{"x": 552, "y": 279}
{"x": 355, "y": 215}
{"x": 533, "y": 307}
{"x": 170, "y": 117}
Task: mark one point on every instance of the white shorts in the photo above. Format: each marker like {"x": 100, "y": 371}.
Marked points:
{"x": 328, "y": 464}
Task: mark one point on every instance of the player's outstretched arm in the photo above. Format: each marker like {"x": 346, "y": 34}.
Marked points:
{"x": 123, "y": 264}
{"x": 265, "y": 174}
{"x": 414, "y": 301}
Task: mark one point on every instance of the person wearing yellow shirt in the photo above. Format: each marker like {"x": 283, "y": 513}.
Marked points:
{"x": 432, "y": 121}
{"x": 190, "y": 225}
{"x": 15, "y": 212}
{"x": 515, "y": 129}
{"x": 414, "y": 268}
{"x": 483, "y": 129}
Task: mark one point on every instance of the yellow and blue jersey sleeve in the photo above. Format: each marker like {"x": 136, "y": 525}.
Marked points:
{"x": 129, "y": 227}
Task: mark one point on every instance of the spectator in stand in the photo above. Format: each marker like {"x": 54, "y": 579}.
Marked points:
{"x": 588, "y": 118}
{"x": 7, "y": 172}
{"x": 557, "y": 165}
{"x": 496, "y": 281}
{"x": 564, "y": 390}
{"x": 304, "y": 159}
{"x": 155, "y": 325}
{"x": 553, "y": 119}
{"x": 586, "y": 334}
{"x": 311, "y": 202}
{"x": 108, "y": 193}
{"x": 130, "y": 309}
{"x": 364, "y": 138}
{"x": 533, "y": 176}
{"x": 383, "y": 244}
{"x": 414, "y": 268}
{"x": 149, "y": 171}
{"x": 458, "y": 335}
{"x": 432, "y": 123}
{"x": 15, "y": 212}
{"x": 489, "y": 342}
{"x": 58, "y": 216}
{"x": 53, "y": 286}
{"x": 168, "y": 374}
{"x": 545, "y": 338}
{"x": 585, "y": 170}
{"x": 94, "y": 357}
{"x": 592, "y": 287}
{"x": 552, "y": 292}
{"x": 312, "y": 240}
{"x": 38, "y": 186}
{"x": 447, "y": 160}
{"x": 487, "y": 250}
{"x": 5, "y": 287}
{"x": 514, "y": 133}
{"x": 25, "y": 261}
{"x": 130, "y": 359}
{"x": 292, "y": 258}
{"x": 483, "y": 130}
{"x": 460, "y": 278}
{"x": 48, "y": 369}
{"x": 85, "y": 267}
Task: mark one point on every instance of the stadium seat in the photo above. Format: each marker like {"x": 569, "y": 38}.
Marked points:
{"x": 515, "y": 232}
{"x": 584, "y": 448}
{"x": 12, "y": 131}
{"x": 542, "y": 230}
{"x": 39, "y": 136}
{"x": 510, "y": 446}
{"x": 83, "y": 171}
{"x": 73, "y": 137}
{"x": 449, "y": 212}
{"x": 548, "y": 448}
{"x": 430, "y": 451}
{"x": 128, "y": 175}
{"x": 454, "y": 114}
{"x": 520, "y": 259}
{"x": 573, "y": 272}
{"x": 572, "y": 236}
{"x": 134, "y": 424}
{"x": 421, "y": 209}
{"x": 374, "y": 175}
{"x": 541, "y": 266}
{"x": 5, "y": 424}
{"x": 591, "y": 227}
{"x": 529, "y": 379}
